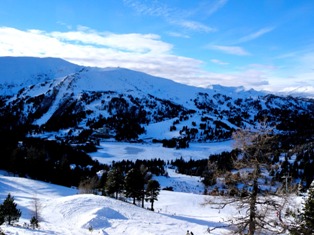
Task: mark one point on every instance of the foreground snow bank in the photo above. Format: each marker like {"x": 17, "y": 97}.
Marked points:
{"x": 65, "y": 212}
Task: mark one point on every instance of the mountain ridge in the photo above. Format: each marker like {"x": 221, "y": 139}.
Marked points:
{"x": 53, "y": 68}
{"x": 123, "y": 103}
{"x": 17, "y": 72}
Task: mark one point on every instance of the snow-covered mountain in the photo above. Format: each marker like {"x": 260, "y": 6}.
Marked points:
{"x": 19, "y": 72}
{"x": 51, "y": 98}
{"x": 49, "y": 94}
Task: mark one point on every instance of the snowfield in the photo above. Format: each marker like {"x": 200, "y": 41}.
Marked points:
{"x": 64, "y": 211}
{"x": 118, "y": 151}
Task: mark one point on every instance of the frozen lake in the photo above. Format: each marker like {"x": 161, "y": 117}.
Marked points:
{"x": 117, "y": 151}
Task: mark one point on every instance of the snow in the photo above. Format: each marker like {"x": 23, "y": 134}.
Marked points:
{"x": 18, "y": 72}
{"x": 21, "y": 72}
{"x": 118, "y": 151}
{"x": 64, "y": 211}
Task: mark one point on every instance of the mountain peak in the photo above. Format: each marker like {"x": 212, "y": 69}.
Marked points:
{"x": 18, "y": 72}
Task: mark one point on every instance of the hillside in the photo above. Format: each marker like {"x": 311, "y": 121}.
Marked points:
{"x": 86, "y": 127}
{"x": 65, "y": 212}
{"x": 19, "y": 72}
{"x": 47, "y": 95}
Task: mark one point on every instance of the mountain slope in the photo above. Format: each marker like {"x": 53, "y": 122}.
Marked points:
{"x": 54, "y": 95}
{"x": 18, "y": 72}
{"x": 65, "y": 212}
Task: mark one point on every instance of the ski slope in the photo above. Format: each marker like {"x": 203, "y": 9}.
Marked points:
{"x": 63, "y": 211}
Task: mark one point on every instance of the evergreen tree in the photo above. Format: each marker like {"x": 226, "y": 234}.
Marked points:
{"x": 305, "y": 222}
{"x": 134, "y": 184}
{"x": 309, "y": 210}
{"x": 152, "y": 191}
{"x": 114, "y": 182}
{"x": 8, "y": 210}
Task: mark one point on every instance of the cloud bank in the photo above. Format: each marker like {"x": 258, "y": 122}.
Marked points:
{"x": 141, "y": 52}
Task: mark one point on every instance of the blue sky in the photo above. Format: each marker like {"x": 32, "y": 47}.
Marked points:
{"x": 260, "y": 44}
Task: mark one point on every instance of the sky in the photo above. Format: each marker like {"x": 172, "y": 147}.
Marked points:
{"x": 260, "y": 44}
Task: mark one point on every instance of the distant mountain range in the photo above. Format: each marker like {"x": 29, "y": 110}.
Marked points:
{"x": 54, "y": 98}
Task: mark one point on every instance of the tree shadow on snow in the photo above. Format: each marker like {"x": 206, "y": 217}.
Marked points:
{"x": 206, "y": 223}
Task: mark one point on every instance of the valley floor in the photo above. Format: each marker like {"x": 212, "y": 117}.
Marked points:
{"x": 117, "y": 151}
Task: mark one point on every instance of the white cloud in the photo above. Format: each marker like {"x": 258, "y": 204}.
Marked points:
{"x": 143, "y": 52}
{"x": 297, "y": 69}
{"x": 175, "y": 15}
{"x": 195, "y": 26}
{"x": 255, "y": 35}
{"x": 234, "y": 50}
{"x": 178, "y": 35}
{"x": 138, "y": 43}
{"x": 214, "y": 6}
{"x": 148, "y": 53}
{"x": 215, "y": 61}
{"x": 103, "y": 50}
{"x": 153, "y": 8}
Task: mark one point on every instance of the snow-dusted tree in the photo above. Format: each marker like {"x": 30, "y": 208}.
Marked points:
{"x": 8, "y": 210}
{"x": 152, "y": 192}
{"x": 258, "y": 211}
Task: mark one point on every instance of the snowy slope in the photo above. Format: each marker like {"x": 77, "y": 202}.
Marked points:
{"x": 65, "y": 212}
{"x": 25, "y": 71}
{"x": 19, "y": 72}
{"x": 55, "y": 95}
{"x": 115, "y": 151}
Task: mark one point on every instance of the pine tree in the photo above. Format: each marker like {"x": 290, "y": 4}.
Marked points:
{"x": 8, "y": 210}
{"x": 304, "y": 223}
{"x": 152, "y": 191}
{"x": 309, "y": 211}
{"x": 114, "y": 182}
{"x": 134, "y": 184}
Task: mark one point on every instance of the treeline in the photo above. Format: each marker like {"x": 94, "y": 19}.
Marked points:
{"x": 49, "y": 161}
{"x": 154, "y": 166}
{"x": 135, "y": 183}
{"x": 223, "y": 161}
{"x": 208, "y": 169}
{"x": 295, "y": 161}
{"x": 60, "y": 163}
{"x": 298, "y": 163}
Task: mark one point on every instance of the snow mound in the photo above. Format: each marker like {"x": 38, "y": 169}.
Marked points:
{"x": 64, "y": 212}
